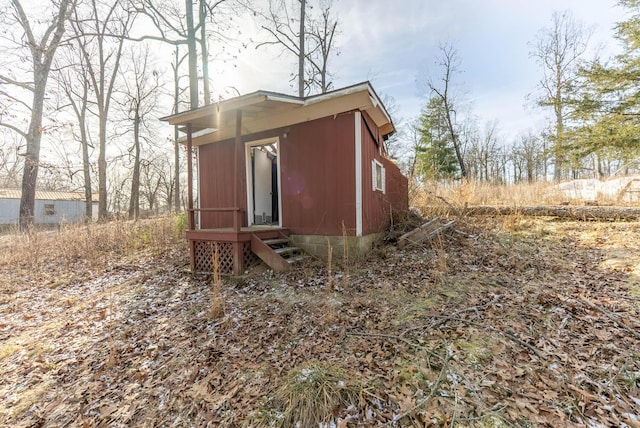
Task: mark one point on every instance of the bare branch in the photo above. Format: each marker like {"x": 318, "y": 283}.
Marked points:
{"x": 27, "y": 106}
{"x": 24, "y": 85}
{"x": 14, "y": 128}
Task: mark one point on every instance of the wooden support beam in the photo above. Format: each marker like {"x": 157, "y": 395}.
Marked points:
{"x": 192, "y": 255}
{"x": 238, "y": 258}
{"x": 237, "y": 219}
{"x": 190, "y": 212}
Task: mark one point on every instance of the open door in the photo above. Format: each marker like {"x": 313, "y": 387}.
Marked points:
{"x": 263, "y": 183}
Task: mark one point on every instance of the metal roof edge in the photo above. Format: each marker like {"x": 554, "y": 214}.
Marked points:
{"x": 48, "y": 195}
{"x": 245, "y": 100}
{"x": 358, "y": 87}
{"x": 262, "y": 95}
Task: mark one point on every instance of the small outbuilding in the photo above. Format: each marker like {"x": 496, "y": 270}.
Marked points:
{"x": 50, "y": 207}
{"x": 279, "y": 175}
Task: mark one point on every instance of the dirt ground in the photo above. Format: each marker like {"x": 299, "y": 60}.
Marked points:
{"x": 499, "y": 322}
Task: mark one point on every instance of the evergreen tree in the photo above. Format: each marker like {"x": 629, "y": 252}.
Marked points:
{"x": 609, "y": 109}
{"x": 435, "y": 154}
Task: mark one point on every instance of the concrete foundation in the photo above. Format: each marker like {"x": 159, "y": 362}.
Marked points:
{"x": 317, "y": 245}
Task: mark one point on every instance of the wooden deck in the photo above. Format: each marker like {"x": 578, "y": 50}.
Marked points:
{"x": 227, "y": 234}
{"x": 235, "y": 249}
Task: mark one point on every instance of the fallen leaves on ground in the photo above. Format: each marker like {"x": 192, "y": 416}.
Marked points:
{"x": 534, "y": 325}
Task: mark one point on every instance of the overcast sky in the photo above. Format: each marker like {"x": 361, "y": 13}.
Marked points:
{"x": 394, "y": 44}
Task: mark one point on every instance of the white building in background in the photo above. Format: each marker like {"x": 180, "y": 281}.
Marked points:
{"x": 613, "y": 190}
{"x": 51, "y": 207}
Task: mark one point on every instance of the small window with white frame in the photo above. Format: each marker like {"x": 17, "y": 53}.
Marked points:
{"x": 378, "y": 176}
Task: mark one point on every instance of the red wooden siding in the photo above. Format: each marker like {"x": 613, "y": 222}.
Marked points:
{"x": 317, "y": 159}
{"x": 376, "y": 205}
{"x": 318, "y": 178}
{"x": 216, "y": 183}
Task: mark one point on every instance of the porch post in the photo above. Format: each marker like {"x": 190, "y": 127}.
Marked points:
{"x": 237, "y": 157}
{"x": 190, "y": 212}
{"x": 238, "y": 267}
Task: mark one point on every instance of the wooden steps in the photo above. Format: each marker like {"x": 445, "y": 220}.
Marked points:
{"x": 278, "y": 253}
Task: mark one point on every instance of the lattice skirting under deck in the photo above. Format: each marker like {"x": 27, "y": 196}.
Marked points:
{"x": 249, "y": 258}
{"x": 204, "y": 255}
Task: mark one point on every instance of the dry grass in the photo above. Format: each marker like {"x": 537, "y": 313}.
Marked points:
{"x": 218, "y": 309}
{"x": 446, "y": 198}
{"x": 329, "y": 276}
{"x": 91, "y": 244}
{"x": 314, "y": 392}
{"x": 345, "y": 256}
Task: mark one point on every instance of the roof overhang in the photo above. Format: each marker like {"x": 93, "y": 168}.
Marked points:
{"x": 264, "y": 110}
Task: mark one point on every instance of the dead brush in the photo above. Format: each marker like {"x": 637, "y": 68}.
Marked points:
{"x": 517, "y": 221}
{"x": 441, "y": 266}
{"x": 432, "y": 195}
{"x": 314, "y": 393}
{"x": 218, "y": 308}
{"x": 34, "y": 246}
{"x": 345, "y": 256}
{"x": 513, "y": 222}
{"x": 90, "y": 243}
{"x": 329, "y": 273}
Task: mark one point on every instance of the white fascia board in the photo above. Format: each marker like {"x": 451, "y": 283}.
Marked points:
{"x": 358, "y": 167}
{"x": 197, "y": 134}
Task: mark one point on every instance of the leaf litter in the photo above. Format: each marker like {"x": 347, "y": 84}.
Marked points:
{"x": 519, "y": 323}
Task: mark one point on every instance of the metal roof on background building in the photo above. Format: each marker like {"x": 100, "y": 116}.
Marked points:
{"x": 47, "y": 195}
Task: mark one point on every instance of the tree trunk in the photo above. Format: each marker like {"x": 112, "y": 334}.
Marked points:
{"x": 559, "y": 143}
{"x": 134, "y": 200}
{"x": 193, "y": 56}
{"x": 455, "y": 140}
{"x": 176, "y": 172}
{"x": 86, "y": 165}
{"x": 176, "y": 134}
{"x": 42, "y": 56}
{"x": 593, "y": 213}
{"x": 32, "y": 157}
{"x": 301, "y": 53}
{"x": 102, "y": 166}
{"x": 204, "y": 52}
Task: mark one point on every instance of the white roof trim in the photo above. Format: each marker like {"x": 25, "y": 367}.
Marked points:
{"x": 197, "y": 134}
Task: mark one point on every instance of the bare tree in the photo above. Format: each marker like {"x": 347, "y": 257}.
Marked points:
{"x": 193, "y": 54}
{"x": 42, "y": 50}
{"x": 393, "y": 145}
{"x": 528, "y": 158}
{"x": 9, "y": 160}
{"x": 301, "y": 48}
{"x": 76, "y": 88}
{"x": 154, "y": 180}
{"x": 177, "y": 91}
{"x": 321, "y": 33}
{"x": 287, "y": 31}
{"x": 442, "y": 89}
{"x": 559, "y": 50}
{"x": 178, "y": 27}
{"x": 485, "y": 156}
{"x": 139, "y": 100}
{"x": 310, "y": 38}
{"x": 213, "y": 12}
{"x": 100, "y": 38}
